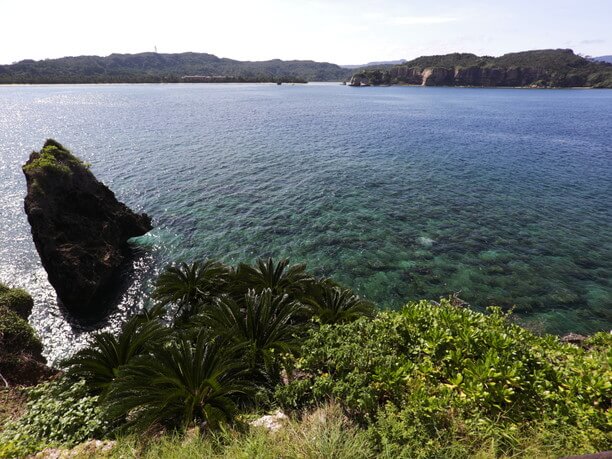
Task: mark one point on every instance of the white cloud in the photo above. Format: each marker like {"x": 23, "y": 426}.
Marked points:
{"x": 422, "y": 20}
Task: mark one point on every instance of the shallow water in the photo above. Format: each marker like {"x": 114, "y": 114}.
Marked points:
{"x": 401, "y": 193}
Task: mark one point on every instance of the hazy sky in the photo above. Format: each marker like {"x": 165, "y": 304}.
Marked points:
{"x": 343, "y": 32}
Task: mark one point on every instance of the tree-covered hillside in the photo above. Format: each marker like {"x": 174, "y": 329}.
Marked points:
{"x": 538, "y": 68}
{"x": 156, "y": 67}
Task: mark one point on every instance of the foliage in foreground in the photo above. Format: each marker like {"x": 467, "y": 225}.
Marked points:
{"x": 181, "y": 383}
{"x": 427, "y": 381}
{"x": 428, "y": 377}
{"x": 58, "y": 413}
{"x": 216, "y": 341}
{"x": 21, "y": 360}
{"x": 325, "y": 432}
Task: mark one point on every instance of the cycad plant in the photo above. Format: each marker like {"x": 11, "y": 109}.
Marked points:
{"x": 263, "y": 323}
{"x": 189, "y": 286}
{"x": 180, "y": 384}
{"x": 99, "y": 363}
{"x": 332, "y": 304}
{"x": 278, "y": 277}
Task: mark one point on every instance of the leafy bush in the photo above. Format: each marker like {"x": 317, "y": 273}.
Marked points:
{"x": 192, "y": 288}
{"x": 426, "y": 381}
{"x": 59, "y": 412}
{"x": 427, "y": 372}
{"x": 53, "y": 157}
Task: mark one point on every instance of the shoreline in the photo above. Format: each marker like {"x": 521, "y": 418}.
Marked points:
{"x": 468, "y": 87}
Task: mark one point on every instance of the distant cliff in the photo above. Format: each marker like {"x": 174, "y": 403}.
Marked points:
{"x": 167, "y": 68}
{"x": 541, "y": 69}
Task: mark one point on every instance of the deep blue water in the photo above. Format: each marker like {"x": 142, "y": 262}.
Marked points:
{"x": 503, "y": 195}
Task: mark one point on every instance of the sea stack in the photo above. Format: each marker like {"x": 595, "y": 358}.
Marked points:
{"x": 79, "y": 228}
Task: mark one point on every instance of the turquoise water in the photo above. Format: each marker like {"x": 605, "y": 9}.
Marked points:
{"x": 401, "y": 193}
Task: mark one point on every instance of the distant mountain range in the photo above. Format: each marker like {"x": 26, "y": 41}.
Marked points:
{"x": 538, "y": 68}
{"x": 607, "y": 59}
{"x": 375, "y": 64}
{"x": 171, "y": 68}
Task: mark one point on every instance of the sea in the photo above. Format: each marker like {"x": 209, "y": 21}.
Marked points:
{"x": 498, "y": 196}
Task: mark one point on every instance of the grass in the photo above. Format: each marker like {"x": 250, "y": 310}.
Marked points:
{"x": 321, "y": 434}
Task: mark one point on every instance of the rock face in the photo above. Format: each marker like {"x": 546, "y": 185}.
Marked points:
{"x": 358, "y": 80}
{"x": 79, "y": 228}
{"x": 462, "y": 76}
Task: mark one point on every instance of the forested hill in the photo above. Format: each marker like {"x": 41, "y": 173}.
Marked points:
{"x": 539, "y": 68}
{"x": 156, "y": 67}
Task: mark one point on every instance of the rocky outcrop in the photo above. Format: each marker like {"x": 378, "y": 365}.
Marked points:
{"x": 359, "y": 80}
{"x": 79, "y": 228}
{"x": 468, "y": 76}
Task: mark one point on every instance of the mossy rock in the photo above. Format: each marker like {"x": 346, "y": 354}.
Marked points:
{"x": 16, "y": 334}
{"x": 17, "y": 300}
{"x": 21, "y": 360}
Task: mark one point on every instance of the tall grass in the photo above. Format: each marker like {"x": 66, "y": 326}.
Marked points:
{"x": 324, "y": 433}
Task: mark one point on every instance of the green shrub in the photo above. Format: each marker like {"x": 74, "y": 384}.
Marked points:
{"x": 262, "y": 324}
{"x": 16, "y": 334}
{"x": 429, "y": 370}
{"x": 279, "y": 277}
{"x": 59, "y": 412}
{"x": 17, "y": 300}
{"x": 53, "y": 157}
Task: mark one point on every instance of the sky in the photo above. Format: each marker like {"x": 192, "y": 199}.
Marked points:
{"x": 338, "y": 31}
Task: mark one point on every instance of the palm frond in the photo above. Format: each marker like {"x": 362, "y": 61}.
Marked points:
{"x": 279, "y": 277}
{"x": 188, "y": 286}
{"x": 333, "y": 304}
{"x": 179, "y": 384}
{"x": 100, "y": 362}
{"x": 263, "y": 323}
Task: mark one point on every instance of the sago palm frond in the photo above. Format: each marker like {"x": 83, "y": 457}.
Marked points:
{"x": 189, "y": 285}
{"x": 279, "y": 277}
{"x": 332, "y": 304}
{"x": 100, "y": 362}
{"x": 263, "y": 323}
{"x": 179, "y": 384}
